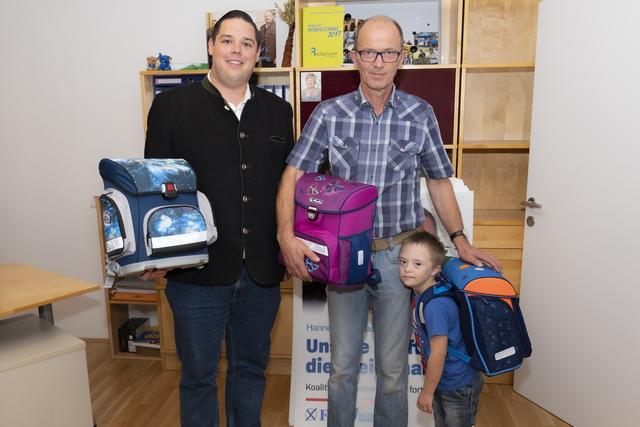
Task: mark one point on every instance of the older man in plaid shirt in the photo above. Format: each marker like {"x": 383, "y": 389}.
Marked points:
{"x": 382, "y": 136}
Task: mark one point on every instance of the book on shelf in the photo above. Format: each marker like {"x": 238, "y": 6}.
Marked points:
{"x": 134, "y": 289}
{"x": 136, "y": 296}
{"x": 322, "y": 40}
{"x": 128, "y": 331}
{"x": 162, "y": 83}
{"x": 280, "y": 90}
{"x": 150, "y": 335}
{"x": 133, "y": 282}
{"x": 137, "y": 344}
{"x": 147, "y": 342}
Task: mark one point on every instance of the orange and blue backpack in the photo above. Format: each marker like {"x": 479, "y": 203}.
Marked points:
{"x": 492, "y": 324}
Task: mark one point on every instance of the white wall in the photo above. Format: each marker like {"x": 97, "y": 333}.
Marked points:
{"x": 70, "y": 95}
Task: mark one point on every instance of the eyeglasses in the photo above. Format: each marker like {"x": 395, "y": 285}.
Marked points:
{"x": 372, "y": 55}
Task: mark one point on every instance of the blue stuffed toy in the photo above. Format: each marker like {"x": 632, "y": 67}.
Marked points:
{"x": 165, "y": 62}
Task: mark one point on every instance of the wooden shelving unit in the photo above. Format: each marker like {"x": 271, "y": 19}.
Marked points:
{"x": 498, "y": 65}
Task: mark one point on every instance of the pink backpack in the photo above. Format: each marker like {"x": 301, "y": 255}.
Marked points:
{"x": 334, "y": 217}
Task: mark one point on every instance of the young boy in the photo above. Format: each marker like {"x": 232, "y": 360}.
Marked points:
{"x": 451, "y": 387}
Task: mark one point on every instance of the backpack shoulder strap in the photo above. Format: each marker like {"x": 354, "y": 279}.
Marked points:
{"x": 441, "y": 289}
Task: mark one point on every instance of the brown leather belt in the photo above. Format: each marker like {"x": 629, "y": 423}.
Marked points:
{"x": 391, "y": 242}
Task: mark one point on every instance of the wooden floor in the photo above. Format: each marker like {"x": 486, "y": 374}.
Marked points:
{"x": 138, "y": 393}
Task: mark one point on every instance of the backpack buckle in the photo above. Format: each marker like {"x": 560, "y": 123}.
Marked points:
{"x": 312, "y": 213}
{"x": 169, "y": 190}
{"x": 441, "y": 287}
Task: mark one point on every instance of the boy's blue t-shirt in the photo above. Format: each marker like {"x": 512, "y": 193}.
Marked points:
{"x": 442, "y": 319}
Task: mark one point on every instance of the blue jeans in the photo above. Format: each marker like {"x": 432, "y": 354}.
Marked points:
{"x": 243, "y": 313}
{"x": 391, "y": 314}
{"x": 457, "y": 408}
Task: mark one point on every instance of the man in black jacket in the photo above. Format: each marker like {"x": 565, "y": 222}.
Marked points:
{"x": 236, "y": 137}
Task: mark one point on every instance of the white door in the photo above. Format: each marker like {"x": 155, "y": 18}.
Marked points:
{"x": 581, "y": 264}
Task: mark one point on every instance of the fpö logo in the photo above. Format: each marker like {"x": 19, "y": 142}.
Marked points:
{"x": 315, "y": 414}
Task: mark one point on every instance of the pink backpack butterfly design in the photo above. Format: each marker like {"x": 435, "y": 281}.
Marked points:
{"x": 334, "y": 217}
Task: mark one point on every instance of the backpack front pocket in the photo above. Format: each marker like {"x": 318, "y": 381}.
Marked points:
{"x": 174, "y": 228}
{"x": 117, "y": 226}
{"x": 498, "y": 337}
{"x": 355, "y": 255}
{"x": 320, "y": 271}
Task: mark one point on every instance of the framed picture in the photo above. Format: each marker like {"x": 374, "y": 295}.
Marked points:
{"x": 311, "y": 83}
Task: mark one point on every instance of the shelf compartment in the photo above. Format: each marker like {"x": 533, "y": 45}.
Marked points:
{"x": 494, "y": 31}
{"x": 441, "y": 93}
{"x": 118, "y": 312}
{"x": 496, "y": 105}
{"x": 497, "y": 177}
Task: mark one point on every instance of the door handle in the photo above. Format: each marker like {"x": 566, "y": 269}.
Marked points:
{"x": 531, "y": 203}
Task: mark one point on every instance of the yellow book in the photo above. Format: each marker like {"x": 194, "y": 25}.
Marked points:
{"x": 322, "y": 42}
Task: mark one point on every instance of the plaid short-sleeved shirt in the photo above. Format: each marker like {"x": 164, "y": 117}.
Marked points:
{"x": 390, "y": 151}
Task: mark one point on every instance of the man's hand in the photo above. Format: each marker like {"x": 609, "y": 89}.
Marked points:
{"x": 475, "y": 256}
{"x": 152, "y": 274}
{"x": 294, "y": 253}
{"x": 425, "y": 402}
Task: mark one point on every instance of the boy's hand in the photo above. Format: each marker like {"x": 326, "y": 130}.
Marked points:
{"x": 425, "y": 402}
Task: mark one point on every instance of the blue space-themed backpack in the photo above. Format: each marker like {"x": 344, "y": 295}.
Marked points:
{"x": 153, "y": 217}
{"x": 492, "y": 324}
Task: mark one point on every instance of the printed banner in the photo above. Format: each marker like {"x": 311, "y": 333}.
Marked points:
{"x": 311, "y": 358}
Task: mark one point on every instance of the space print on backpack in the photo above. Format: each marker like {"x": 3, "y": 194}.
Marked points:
{"x": 153, "y": 217}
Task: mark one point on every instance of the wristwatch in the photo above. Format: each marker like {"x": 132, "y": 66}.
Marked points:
{"x": 457, "y": 234}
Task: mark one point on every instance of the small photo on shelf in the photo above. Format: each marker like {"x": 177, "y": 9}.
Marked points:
{"x": 349, "y": 45}
{"x": 349, "y": 33}
{"x": 266, "y": 21}
{"x": 351, "y": 24}
{"x": 311, "y": 86}
{"x": 423, "y": 50}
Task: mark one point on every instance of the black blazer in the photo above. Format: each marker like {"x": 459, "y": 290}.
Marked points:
{"x": 238, "y": 165}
